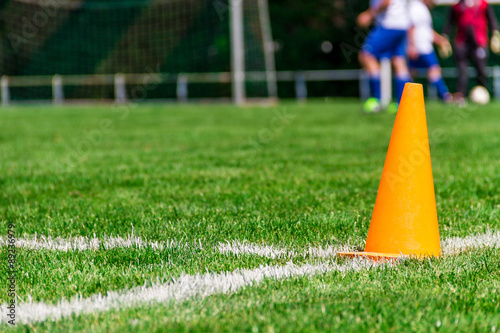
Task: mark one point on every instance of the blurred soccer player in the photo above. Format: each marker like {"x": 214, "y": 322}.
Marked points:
{"x": 420, "y": 47}
{"x": 472, "y": 19}
{"x": 386, "y": 40}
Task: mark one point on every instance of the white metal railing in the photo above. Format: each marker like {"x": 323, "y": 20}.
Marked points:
{"x": 120, "y": 81}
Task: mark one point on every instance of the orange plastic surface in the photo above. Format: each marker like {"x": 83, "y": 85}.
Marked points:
{"x": 404, "y": 220}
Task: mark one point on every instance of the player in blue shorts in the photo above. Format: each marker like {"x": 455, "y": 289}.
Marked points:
{"x": 386, "y": 40}
{"x": 420, "y": 47}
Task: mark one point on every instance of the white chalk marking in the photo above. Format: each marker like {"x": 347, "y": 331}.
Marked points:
{"x": 491, "y": 239}
{"x": 188, "y": 286}
{"x": 235, "y": 247}
{"x": 184, "y": 287}
{"x": 268, "y": 251}
{"x": 449, "y": 246}
{"x": 89, "y": 243}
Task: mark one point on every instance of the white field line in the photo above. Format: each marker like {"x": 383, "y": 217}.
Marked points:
{"x": 235, "y": 247}
{"x": 188, "y": 286}
{"x": 90, "y": 243}
{"x": 185, "y": 287}
{"x": 269, "y": 251}
{"x": 454, "y": 245}
{"x": 448, "y": 246}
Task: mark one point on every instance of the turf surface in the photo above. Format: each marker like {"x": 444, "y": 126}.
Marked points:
{"x": 292, "y": 175}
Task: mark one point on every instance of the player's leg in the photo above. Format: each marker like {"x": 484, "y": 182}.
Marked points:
{"x": 381, "y": 42}
{"x": 435, "y": 76}
{"x": 371, "y": 66}
{"x": 369, "y": 56}
{"x": 402, "y": 75}
{"x": 460, "y": 52}
{"x": 413, "y": 66}
{"x": 400, "y": 64}
{"x": 479, "y": 59}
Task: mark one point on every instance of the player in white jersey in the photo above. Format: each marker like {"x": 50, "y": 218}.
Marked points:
{"x": 420, "y": 48}
{"x": 386, "y": 40}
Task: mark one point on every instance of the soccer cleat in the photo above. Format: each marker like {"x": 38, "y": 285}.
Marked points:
{"x": 448, "y": 98}
{"x": 393, "y": 108}
{"x": 459, "y": 100}
{"x": 371, "y": 105}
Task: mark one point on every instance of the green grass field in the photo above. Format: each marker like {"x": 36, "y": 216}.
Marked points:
{"x": 288, "y": 177}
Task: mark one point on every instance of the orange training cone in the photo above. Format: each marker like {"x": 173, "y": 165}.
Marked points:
{"x": 404, "y": 221}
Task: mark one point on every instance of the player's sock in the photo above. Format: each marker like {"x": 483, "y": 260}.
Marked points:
{"x": 401, "y": 80}
{"x": 441, "y": 87}
{"x": 375, "y": 85}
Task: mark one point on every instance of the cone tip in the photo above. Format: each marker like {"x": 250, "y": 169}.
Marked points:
{"x": 412, "y": 85}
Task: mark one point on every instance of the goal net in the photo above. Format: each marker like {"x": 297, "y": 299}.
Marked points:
{"x": 134, "y": 49}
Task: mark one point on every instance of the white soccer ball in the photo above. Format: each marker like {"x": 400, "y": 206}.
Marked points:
{"x": 479, "y": 95}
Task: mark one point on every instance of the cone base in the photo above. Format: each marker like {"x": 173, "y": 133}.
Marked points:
{"x": 380, "y": 256}
{"x": 371, "y": 255}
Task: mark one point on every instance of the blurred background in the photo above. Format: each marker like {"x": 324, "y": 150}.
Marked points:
{"x": 70, "y": 50}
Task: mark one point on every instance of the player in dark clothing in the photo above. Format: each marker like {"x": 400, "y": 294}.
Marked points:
{"x": 472, "y": 19}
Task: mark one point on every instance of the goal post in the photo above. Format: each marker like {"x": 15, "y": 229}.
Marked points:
{"x": 238, "y": 49}
{"x": 268, "y": 47}
{"x": 237, "y": 52}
